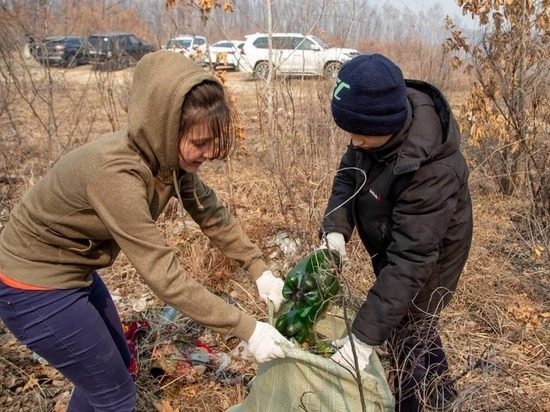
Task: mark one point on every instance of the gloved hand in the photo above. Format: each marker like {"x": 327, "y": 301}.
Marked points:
{"x": 335, "y": 241}
{"x": 344, "y": 355}
{"x": 263, "y": 344}
{"x": 270, "y": 288}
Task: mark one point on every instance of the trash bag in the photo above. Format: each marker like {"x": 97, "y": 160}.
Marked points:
{"x": 307, "y": 382}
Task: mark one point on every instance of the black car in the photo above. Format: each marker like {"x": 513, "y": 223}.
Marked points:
{"x": 116, "y": 50}
{"x": 66, "y": 51}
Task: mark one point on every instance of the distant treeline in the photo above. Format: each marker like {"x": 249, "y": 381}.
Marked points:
{"x": 343, "y": 23}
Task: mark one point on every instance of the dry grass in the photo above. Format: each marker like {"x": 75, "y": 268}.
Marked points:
{"x": 495, "y": 330}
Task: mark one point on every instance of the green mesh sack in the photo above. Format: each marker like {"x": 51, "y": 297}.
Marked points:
{"x": 307, "y": 382}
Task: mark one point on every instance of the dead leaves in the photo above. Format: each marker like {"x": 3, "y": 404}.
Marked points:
{"x": 537, "y": 252}
{"x": 527, "y": 314}
{"x": 205, "y": 6}
{"x": 164, "y": 406}
{"x": 31, "y": 383}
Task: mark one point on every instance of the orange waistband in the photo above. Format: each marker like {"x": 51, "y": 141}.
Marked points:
{"x": 20, "y": 285}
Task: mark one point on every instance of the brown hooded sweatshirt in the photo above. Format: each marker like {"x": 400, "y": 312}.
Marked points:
{"x": 106, "y": 195}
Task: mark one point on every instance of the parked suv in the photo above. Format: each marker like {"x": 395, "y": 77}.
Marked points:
{"x": 67, "y": 51}
{"x": 293, "y": 54}
{"x": 225, "y": 54}
{"x": 190, "y": 46}
{"x": 116, "y": 50}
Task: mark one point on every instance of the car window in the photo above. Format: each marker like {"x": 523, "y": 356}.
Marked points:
{"x": 133, "y": 40}
{"x": 303, "y": 43}
{"x": 99, "y": 42}
{"x": 95, "y": 41}
{"x": 296, "y": 42}
{"x": 186, "y": 43}
{"x": 260, "y": 43}
{"x": 200, "y": 42}
{"x": 319, "y": 42}
{"x": 283, "y": 43}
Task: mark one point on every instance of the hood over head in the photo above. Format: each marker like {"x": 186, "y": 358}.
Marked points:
{"x": 434, "y": 133}
{"x": 161, "y": 81}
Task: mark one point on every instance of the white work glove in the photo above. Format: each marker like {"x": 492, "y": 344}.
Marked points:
{"x": 264, "y": 343}
{"x": 335, "y": 241}
{"x": 270, "y": 288}
{"x": 344, "y": 354}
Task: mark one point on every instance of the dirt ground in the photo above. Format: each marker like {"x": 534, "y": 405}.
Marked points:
{"x": 496, "y": 330}
{"x": 239, "y": 81}
{"x": 27, "y": 383}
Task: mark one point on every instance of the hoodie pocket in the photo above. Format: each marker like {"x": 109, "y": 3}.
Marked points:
{"x": 77, "y": 246}
{"x": 90, "y": 253}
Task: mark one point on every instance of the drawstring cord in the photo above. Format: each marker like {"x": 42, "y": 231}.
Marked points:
{"x": 178, "y": 194}
{"x": 199, "y": 204}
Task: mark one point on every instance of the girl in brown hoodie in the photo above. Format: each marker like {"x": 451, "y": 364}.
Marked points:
{"x": 104, "y": 197}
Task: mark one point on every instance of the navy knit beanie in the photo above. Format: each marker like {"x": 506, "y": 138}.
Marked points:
{"x": 370, "y": 96}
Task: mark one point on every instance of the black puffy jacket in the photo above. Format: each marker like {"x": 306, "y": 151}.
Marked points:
{"x": 413, "y": 214}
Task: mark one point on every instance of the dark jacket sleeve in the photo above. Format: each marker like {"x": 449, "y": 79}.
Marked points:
{"x": 338, "y": 215}
{"x": 421, "y": 216}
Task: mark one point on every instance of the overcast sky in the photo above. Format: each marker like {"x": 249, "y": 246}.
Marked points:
{"x": 448, "y": 7}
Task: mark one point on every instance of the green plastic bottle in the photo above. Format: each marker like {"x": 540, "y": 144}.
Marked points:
{"x": 308, "y": 291}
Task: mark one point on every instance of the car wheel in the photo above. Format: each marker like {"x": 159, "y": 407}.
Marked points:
{"x": 261, "y": 71}
{"x": 100, "y": 65}
{"x": 124, "y": 61}
{"x": 70, "y": 61}
{"x": 331, "y": 70}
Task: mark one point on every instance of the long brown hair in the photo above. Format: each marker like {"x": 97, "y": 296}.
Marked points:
{"x": 206, "y": 103}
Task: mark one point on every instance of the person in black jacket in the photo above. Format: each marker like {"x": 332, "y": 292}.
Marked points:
{"x": 403, "y": 184}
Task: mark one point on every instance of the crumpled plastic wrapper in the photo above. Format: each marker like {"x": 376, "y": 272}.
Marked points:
{"x": 185, "y": 357}
{"x": 177, "y": 355}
